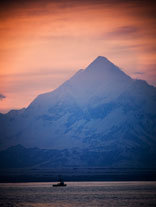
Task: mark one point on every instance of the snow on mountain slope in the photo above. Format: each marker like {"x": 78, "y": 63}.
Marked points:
{"x": 100, "y": 78}
{"x": 100, "y": 109}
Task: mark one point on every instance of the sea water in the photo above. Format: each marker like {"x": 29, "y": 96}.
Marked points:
{"x": 79, "y": 194}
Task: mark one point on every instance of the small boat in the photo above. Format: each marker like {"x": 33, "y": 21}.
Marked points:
{"x": 60, "y": 184}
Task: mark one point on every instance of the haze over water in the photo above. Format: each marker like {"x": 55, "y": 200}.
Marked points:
{"x": 79, "y": 194}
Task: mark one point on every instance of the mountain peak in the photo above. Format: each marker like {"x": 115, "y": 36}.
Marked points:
{"x": 101, "y": 59}
{"x": 103, "y": 67}
{"x": 101, "y": 63}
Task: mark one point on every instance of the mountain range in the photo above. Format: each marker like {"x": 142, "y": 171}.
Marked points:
{"x": 99, "y": 117}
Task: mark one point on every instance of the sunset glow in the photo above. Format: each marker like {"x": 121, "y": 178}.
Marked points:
{"x": 43, "y": 43}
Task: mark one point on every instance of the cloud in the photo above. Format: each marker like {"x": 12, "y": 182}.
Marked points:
{"x": 121, "y": 32}
{"x": 40, "y": 6}
{"x": 2, "y": 97}
{"x": 39, "y": 72}
{"x": 139, "y": 73}
{"x": 125, "y": 30}
{"x": 150, "y": 68}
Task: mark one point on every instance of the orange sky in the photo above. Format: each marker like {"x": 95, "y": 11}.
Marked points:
{"x": 43, "y": 43}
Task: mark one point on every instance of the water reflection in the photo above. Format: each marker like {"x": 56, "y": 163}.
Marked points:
{"x": 79, "y": 194}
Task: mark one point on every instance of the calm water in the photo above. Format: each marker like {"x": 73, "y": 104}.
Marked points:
{"x": 81, "y": 194}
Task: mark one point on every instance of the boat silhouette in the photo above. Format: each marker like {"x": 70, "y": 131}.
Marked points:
{"x": 60, "y": 184}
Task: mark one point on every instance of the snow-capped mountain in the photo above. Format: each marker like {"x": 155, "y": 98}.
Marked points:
{"x": 100, "y": 109}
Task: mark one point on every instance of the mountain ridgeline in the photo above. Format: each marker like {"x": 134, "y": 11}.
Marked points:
{"x": 99, "y": 117}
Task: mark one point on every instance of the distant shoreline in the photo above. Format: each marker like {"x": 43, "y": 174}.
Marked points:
{"x": 77, "y": 174}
